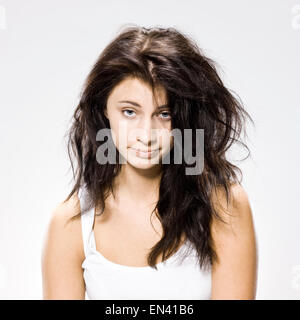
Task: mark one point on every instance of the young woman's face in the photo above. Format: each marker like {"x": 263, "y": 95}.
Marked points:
{"x": 138, "y": 124}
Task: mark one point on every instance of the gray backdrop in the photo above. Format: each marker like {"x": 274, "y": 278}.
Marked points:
{"x": 46, "y": 50}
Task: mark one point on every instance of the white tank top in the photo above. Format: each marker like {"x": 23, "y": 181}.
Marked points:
{"x": 176, "y": 278}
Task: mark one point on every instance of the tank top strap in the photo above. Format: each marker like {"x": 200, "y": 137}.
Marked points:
{"x": 87, "y": 220}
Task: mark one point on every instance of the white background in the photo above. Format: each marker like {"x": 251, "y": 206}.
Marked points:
{"x": 46, "y": 50}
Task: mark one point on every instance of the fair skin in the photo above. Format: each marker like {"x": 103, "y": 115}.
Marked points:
{"x": 234, "y": 276}
{"x": 136, "y": 190}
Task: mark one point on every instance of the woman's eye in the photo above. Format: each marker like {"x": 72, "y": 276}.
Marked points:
{"x": 168, "y": 115}
{"x": 127, "y": 110}
{"x": 131, "y": 113}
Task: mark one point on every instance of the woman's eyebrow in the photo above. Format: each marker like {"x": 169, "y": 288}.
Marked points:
{"x": 138, "y": 105}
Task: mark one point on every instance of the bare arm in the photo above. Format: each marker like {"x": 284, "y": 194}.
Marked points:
{"x": 235, "y": 274}
{"x": 62, "y": 256}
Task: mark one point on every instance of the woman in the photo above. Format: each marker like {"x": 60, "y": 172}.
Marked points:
{"x": 125, "y": 224}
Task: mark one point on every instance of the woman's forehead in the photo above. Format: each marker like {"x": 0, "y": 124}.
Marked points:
{"x": 138, "y": 92}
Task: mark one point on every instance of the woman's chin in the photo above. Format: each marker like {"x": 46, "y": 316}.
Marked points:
{"x": 141, "y": 162}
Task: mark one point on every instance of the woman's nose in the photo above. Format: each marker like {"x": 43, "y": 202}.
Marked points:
{"x": 147, "y": 133}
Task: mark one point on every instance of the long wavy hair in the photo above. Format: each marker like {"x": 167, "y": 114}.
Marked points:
{"x": 197, "y": 98}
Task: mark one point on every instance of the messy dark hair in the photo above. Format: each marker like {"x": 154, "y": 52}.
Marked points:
{"x": 197, "y": 98}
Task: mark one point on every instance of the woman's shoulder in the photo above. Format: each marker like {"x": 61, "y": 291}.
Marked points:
{"x": 237, "y": 204}
{"x": 67, "y": 211}
{"x": 237, "y": 215}
{"x": 235, "y": 245}
{"x": 64, "y": 227}
{"x": 62, "y": 254}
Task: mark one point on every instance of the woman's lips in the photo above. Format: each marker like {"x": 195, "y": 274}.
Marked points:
{"x": 145, "y": 154}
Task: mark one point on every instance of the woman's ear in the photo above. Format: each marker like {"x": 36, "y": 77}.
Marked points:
{"x": 105, "y": 113}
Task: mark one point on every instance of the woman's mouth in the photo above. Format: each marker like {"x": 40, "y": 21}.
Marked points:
{"x": 145, "y": 154}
